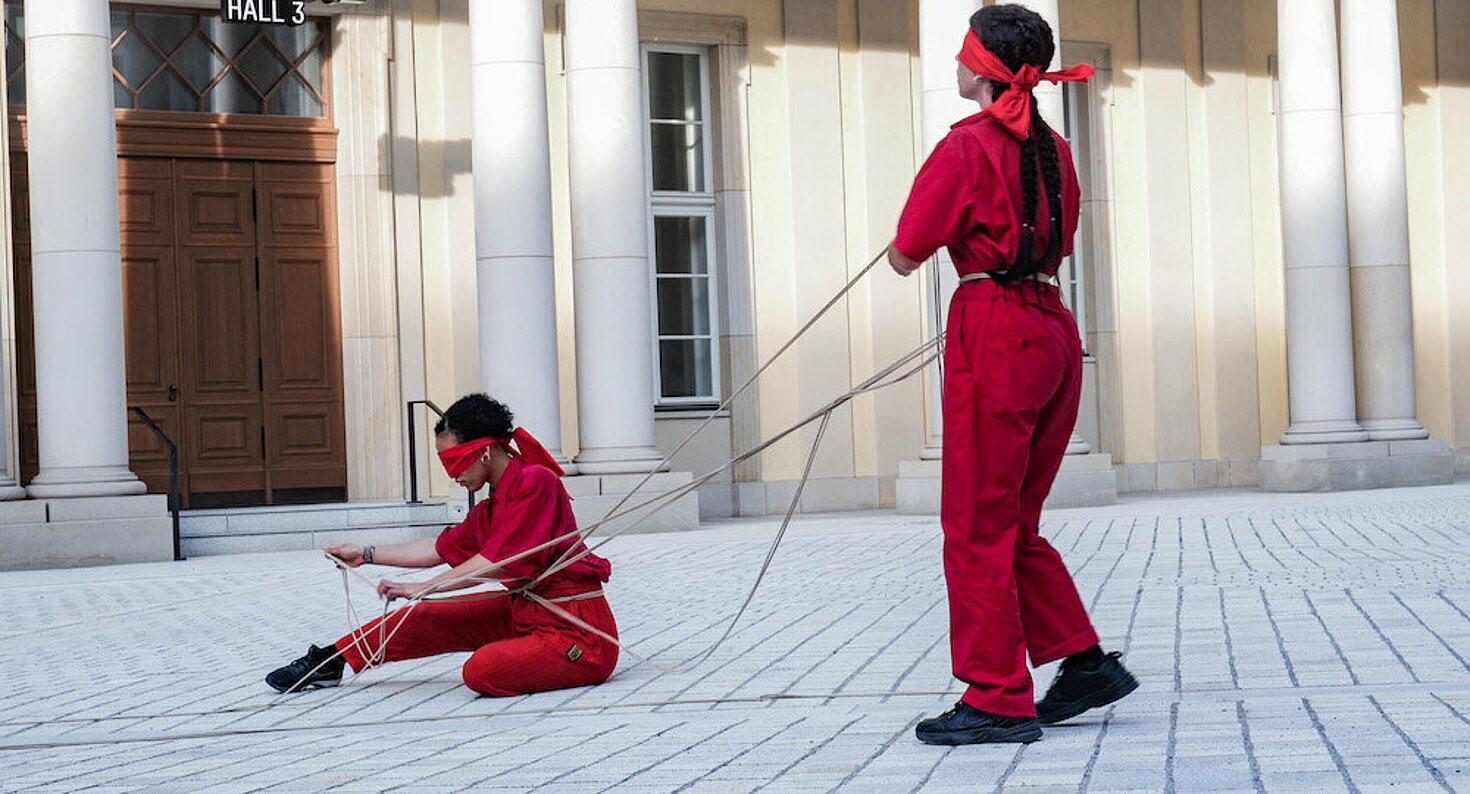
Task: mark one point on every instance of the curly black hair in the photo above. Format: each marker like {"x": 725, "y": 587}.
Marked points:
{"x": 1017, "y": 35}
{"x": 476, "y": 416}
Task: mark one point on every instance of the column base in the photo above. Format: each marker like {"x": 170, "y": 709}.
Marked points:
{"x": 1333, "y": 432}
{"x": 594, "y": 496}
{"x": 67, "y": 533}
{"x": 1084, "y": 481}
{"x": 931, "y": 452}
{"x": 1357, "y": 466}
{"x": 1394, "y": 429}
{"x": 618, "y": 460}
{"x": 10, "y": 491}
{"x": 85, "y": 481}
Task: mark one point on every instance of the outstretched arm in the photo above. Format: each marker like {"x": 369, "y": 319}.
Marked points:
{"x": 413, "y": 554}
{"x": 475, "y": 566}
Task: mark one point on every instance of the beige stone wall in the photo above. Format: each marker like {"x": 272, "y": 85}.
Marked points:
{"x": 1436, "y": 69}
{"x": 1189, "y": 311}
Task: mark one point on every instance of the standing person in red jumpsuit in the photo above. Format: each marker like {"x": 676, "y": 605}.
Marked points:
{"x": 517, "y": 645}
{"x": 1012, "y": 383}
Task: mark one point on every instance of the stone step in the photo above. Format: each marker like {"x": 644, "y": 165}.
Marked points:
{"x": 295, "y": 519}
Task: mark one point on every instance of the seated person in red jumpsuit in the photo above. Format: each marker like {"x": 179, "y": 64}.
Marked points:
{"x": 1012, "y": 382}
{"x": 517, "y": 645}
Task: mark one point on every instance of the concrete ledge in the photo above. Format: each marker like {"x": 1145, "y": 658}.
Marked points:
{"x": 594, "y": 496}
{"x": 1084, "y": 481}
{"x": 297, "y": 541}
{"x": 306, "y": 519}
{"x": 23, "y": 511}
{"x": 108, "y": 507}
{"x": 821, "y": 495}
{"x": 72, "y": 544}
{"x": 1351, "y": 467}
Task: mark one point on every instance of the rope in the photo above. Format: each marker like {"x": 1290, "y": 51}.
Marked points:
{"x": 580, "y": 549}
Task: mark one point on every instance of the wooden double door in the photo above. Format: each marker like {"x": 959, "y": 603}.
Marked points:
{"x": 233, "y": 332}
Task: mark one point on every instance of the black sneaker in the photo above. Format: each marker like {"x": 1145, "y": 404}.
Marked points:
{"x": 1081, "y": 686}
{"x": 965, "y": 724}
{"x": 320, "y": 667}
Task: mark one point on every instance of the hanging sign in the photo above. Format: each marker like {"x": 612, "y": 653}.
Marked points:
{"x": 264, "y": 12}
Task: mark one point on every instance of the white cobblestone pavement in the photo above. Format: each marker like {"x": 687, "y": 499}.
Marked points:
{"x": 1305, "y": 643}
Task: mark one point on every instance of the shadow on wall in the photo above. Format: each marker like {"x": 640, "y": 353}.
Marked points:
{"x": 439, "y": 163}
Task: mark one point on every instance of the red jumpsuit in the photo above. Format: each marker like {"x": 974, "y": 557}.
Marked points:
{"x": 1012, "y": 383}
{"x": 519, "y": 646}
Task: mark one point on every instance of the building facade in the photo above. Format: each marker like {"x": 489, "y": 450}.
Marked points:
{"x": 610, "y": 213}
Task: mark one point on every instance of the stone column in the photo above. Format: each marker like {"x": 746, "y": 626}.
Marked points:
{"x": 1378, "y": 220}
{"x": 1319, "y": 322}
{"x": 610, "y": 238}
{"x": 76, "y": 262}
{"x": 513, "y": 251}
{"x": 942, "y": 26}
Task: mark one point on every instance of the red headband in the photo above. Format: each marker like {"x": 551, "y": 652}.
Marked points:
{"x": 460, "y": 457}
{"x": 1013, "y": 107}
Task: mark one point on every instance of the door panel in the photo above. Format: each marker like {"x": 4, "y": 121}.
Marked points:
{"x": 151, "y": 342}
{"x": 220, "y": 387}
{"x": 216, "y": 203}
{"x": 306, "y": 439}
{"x": 145, "y": 201}
{"x": 232, "y": 327}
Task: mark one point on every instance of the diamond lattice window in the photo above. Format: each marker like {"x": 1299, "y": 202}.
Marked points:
{"x": 197, "y": 62}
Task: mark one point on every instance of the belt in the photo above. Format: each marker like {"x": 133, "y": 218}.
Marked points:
{"x": 578, "y": 597}
{"x": 1041, "y": 278}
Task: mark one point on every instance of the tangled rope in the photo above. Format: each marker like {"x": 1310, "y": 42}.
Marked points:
{"x": 898, "y": 371}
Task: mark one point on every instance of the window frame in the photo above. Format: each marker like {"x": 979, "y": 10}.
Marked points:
{"x": 683, "y": 204}
{"x": 1072, "y": 276}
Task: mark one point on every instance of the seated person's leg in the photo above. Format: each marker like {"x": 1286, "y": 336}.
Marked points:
{"x": 539, "y": 662}
{"x": 433, "y": 627}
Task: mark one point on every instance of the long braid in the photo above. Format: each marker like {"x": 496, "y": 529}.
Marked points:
{"x": 1019, "y": 36}
{"x": 1051, "y": 174}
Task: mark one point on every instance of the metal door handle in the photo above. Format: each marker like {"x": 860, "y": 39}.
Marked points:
{"x": 173, "y": 393}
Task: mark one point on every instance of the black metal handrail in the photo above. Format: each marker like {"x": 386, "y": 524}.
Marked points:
{"x": 173, "y": 473}
{"x": 413, "y": 450}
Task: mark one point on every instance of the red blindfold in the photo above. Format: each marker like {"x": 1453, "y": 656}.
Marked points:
{"x": 460, "y": 457}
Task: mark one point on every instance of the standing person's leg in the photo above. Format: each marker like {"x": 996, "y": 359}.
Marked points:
{"x": 1052, "y": 612}
{"x": 1057, "y": 624}
{"x": 990, "y": 407}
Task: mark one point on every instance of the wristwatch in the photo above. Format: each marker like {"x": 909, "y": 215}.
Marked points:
{"x": 367, "y": 553}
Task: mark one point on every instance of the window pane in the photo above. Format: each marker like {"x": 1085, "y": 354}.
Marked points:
{"x": 199, "y": 62}
{"x": 122, "y": 98}
{"x": 673, "y": 86}
{"x": 686, "y": 368}
{"x": 679, "y": 245}
{"x": 230, "y": 37}
{"x": 231, "y": 95}
{"x": 168, "y": 92}
{"x": 678, "y": 157}
{"x": 134, "y": 59}
{"x": 683, "y": 306}
{"x": 263, "y": 66}
{"x": 168, "y": 31}
{"x": 311, "y": 69}
{"x": 293, "y": 99}
{"x": 17, "y": 86}
{"x": 292, "y": 40}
